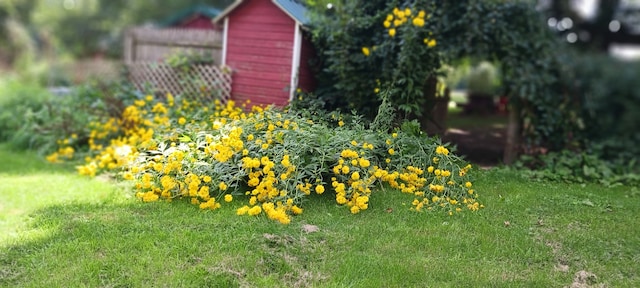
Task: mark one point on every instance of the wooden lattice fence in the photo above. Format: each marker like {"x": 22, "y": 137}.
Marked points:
{"x": 202, "y": 82}
{"x": 146, "y": 51}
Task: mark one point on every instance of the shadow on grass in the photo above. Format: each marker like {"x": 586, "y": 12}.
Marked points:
{"x": 135, "y": 244}
{"x": 100, "y": 245}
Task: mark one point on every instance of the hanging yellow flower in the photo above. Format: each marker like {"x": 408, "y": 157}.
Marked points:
{"x": 365, "y": 51}
{"x": 418, "y": 22}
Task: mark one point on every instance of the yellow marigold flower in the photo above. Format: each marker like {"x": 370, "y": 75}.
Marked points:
{"x": 394, "y": 135}
{"x": 432, "y": 43}
{"x": 182, "y": 121}
{"x": 319, "y": 189}
{"x": 392, "y": 32}
{"x": 391, "y": 151}
{"x": 389, "y": 17}
{"x": 255, "y": 210}
{"x": 139, "y": 103}
{"x": 387, "y": 160}
{"x": 127, "y": 176}
{"x": 470, "y": 191}
{"x": 296, "y": 210}
{"x": 418, "y": 22}
{"x": 345, "y": 169}
{"x": 228, "y": 198}
{"x": 364, "y": 163}
{"x": 355, "y": 209}
{"x": 377, "y": 90}
{"x": 468, "y": 184}
{"x": 421, "y": 14}
{"x": 223, "y": 186}
{"x": 387, "y": 24}
{"x": 341, "y": 199}
{"x": 365, "y": 51}
{"x": 407, "y": 11}
{"x": 242, "y": 210}
{"x": 150, "y": 197}
{"x": 355, "y": 175}
{"x": 340, "y": 123}
{"x": 53, "y": 158}
{"x": 442, "y": 150}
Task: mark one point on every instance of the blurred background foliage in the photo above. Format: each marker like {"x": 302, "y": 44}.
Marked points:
{"x": 551, "y": 58}
{"x": 79, "y": 28}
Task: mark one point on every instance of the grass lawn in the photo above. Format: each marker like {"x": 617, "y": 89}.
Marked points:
{"x": 62, "y": 230}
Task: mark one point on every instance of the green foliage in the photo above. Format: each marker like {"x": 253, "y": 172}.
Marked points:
{"x": 607, "y": 116}
{"x": 482, "y": 79}
{"x": 369, "y": 45}
{"x": 16, "y": 100}
{"x": 578, "y": 167}
{"x": 84, "y": 28}
{"x": 347, "y": 78}
{"x": 601, "y": 122}
{"x": 385, "y": 118}
{"x": 35, "y": 119}
{"x": 184, "y": 60}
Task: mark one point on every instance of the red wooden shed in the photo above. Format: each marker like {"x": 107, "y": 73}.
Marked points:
{"x": 266, "y": 48}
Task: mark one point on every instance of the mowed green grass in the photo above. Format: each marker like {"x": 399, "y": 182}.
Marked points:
{"x": 62, "y": 230}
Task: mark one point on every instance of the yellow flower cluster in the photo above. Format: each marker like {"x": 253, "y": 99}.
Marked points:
{"x": 65, "y": 152}
{"x": 261, "y": 155}
{"x": 402, "y": 16}
{"x": 399, "y": 17}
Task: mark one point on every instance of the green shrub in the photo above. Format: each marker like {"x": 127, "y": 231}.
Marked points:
{"x": 38, "y": 121}
{"x": 17, "y": 101}
{"x": 578, "y": 167}
{"x": 610, "y": 101}
{"x": 179, "y": 149}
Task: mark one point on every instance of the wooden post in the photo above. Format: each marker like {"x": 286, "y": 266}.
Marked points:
{"x": 513, "y": 136}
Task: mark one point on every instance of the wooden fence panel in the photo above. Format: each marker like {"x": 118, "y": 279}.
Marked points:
{"x": 149, "y": 44}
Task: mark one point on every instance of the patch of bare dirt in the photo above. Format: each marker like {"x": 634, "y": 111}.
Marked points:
{"x": 585, "y": 279}
{"x": 483, "y": 146}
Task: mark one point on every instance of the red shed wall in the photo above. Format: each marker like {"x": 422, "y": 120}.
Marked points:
{"x": 260, "y": 50}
